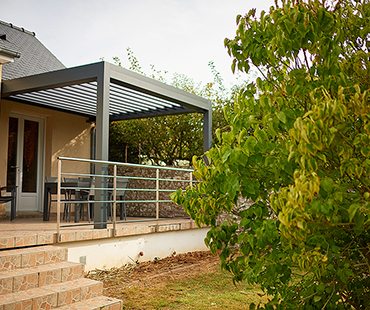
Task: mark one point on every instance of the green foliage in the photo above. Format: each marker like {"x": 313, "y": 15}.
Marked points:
{"x": 168, "y": 139}
{"x": 300, "y": 151}
{"x": 165, "y": 139}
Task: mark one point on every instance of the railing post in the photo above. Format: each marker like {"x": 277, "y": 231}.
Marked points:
{"x": 157, "y": 199}
{"x": 114, "y": 198}
{"x": 58, "y": 198}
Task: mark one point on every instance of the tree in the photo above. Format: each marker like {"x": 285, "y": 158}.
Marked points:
{"x": 300, "y": 151}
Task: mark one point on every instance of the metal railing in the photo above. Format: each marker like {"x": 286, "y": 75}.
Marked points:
{"x": 113, "y": 177}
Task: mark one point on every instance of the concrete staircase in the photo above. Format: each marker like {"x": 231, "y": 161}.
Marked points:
{"x": 42, "y": 278}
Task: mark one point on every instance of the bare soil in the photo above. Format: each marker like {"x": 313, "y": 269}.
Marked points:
{"x": 156, "y": 272}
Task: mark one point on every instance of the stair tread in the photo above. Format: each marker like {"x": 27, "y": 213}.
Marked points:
{"x": 95, "y": 303}
{"x": 37, "y": 269}
{"x": 62, "y": 284}
{"x": 49, "y": 290}
{"x": 43, "y": 248}
{"x": 30, "y": 257}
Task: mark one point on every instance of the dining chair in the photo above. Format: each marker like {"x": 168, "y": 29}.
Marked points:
{"x": 84, "y": 195}
{"x": 12, "y": 198}
{"x": 121, "y": 189}
{"x": 69, "y": 193}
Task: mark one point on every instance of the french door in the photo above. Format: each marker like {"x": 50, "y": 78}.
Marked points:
{"x": 25, "y": 160}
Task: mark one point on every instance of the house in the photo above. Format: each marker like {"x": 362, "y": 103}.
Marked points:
{"x": 48, "y": 110}
{"x": 49, "y": 114}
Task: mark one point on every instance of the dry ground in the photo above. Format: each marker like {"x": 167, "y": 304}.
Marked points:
{"x": 186, "y": 281}
{"x": 148, "y": 274}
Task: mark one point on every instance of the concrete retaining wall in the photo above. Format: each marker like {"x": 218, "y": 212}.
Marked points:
{"x": 116, "y": 252}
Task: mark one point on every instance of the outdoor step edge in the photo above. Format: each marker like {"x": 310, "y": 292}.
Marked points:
{"x": 16, "y": 258}
{"x": 31, "y": 249}
{"x": 47, "y": 290}
{"x": 95, "y": 303}
{"x": 15, "y": 273}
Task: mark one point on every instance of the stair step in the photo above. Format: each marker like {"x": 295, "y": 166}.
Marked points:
{"x": 52, "y": 296}
{"x": 12, "y": 281}
{"x": 31, "y": 257}
{"x": 96, "y": 303}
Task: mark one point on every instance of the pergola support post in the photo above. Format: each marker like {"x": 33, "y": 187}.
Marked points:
{"x": 207, "y": 129}
{"x": 102, "y": 146}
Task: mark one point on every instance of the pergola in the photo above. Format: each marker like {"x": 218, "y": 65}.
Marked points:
{"x": 104, "y": 92}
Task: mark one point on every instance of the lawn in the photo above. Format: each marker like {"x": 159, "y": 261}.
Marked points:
{"x": 186, "y": 281}
{"x": 211, "y": 290}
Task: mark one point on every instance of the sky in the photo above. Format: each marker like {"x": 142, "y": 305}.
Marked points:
{"x": 180, "y": 36}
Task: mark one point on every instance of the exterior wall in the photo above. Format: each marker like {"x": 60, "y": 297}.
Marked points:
{"x": 65, "y": 135}
{"x": 2, "y": 181}
{"x": 115, "y": 252}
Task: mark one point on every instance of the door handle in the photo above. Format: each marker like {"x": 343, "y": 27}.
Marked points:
{"x": 14, "y": 167}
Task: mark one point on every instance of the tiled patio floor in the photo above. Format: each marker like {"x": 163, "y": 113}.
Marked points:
{"x": 34, "y": 231}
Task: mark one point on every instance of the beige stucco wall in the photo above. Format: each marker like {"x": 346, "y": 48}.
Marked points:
{"x": 2, "y": 205}
{"x": 65, "y": 135}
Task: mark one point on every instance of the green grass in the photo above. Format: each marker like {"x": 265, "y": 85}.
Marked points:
{"x": 213, "y": 290}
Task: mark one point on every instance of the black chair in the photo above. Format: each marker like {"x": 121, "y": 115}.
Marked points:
{"x": 50, "y": 193}
{"x": 12, "y": 198}
{"x": 84, "y": 195}
{"x": 121, "y": 186}
{"x": 69, "y": 193}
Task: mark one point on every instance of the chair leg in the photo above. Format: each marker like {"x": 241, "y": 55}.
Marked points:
{"x": 49, "y": 208}
{"x": 82, "y": 211}
{"x": 92, "y": 211}
{"x": 121, "y": 209}
{"x": 110, "y": 210}
{"x": 88, "y": 211}
{"x": 13, "y": 206}
{"x": 70, "y": 211}
{"x": 67, "y": 208}
{"x": 12, "y": 210}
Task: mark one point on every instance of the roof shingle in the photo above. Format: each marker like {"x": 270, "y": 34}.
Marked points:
{"x": 35, "y": 57}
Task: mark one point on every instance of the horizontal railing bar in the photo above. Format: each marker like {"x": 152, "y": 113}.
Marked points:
{"x": 110, "y": 201}
{"x": 89, "y": 174}
{"x": 83, "y": 174}
{"x": 126, "y": 177}
{"x": 139, "y": 178}
{"x": 85, "y": 224}
{"x": 85, "y": 201}
{"x": 124, "y": 189}
{"x": 123, "y": 221}
{"x": 120, "y": 189}
{"x": 122, "y": 164}
{"x": 151, "y": 220}
{"x": 174, "y": 180}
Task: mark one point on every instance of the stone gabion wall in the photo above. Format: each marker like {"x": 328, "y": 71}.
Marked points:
{"x": 148, "y": 209}
{"x": 241, "y": 205}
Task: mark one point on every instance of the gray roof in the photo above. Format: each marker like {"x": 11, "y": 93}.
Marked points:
{"x": 35, "y": 57}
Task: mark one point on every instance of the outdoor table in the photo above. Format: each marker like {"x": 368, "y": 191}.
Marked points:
{"x": 51, "y": 189}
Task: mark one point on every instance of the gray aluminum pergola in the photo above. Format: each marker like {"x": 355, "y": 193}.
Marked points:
{"x": 104, "y": 92}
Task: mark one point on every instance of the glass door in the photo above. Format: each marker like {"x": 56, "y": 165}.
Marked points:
{"x": 25, "y": 160}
